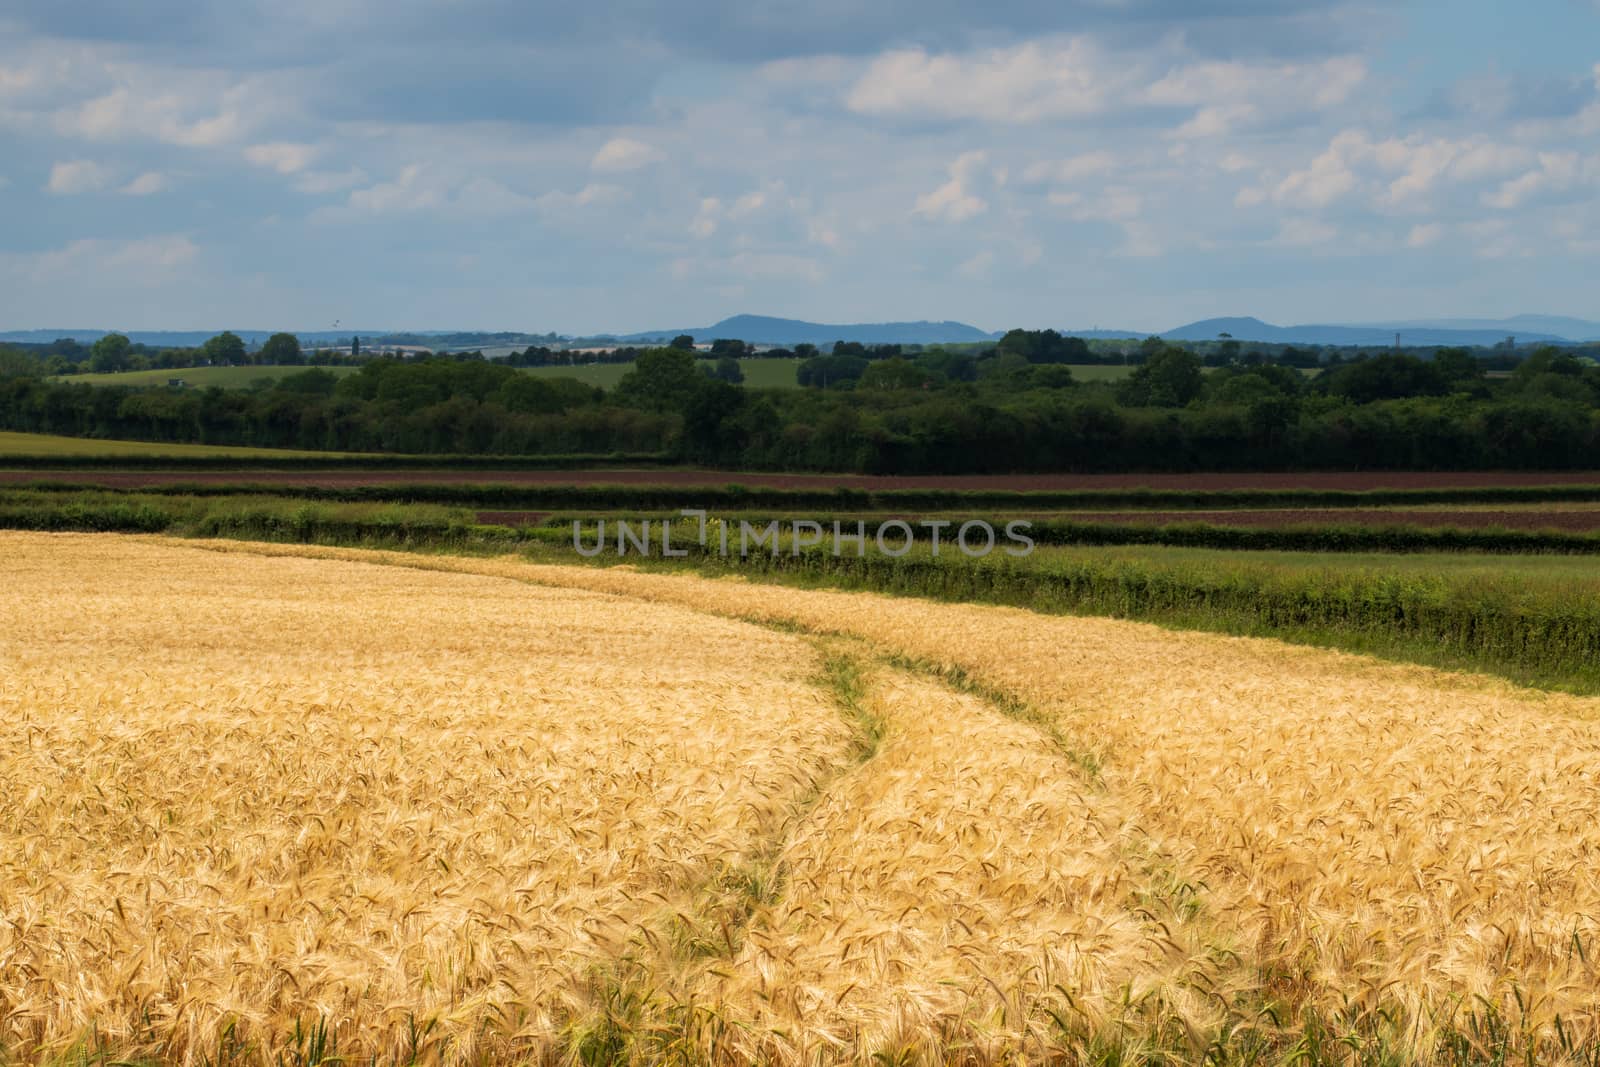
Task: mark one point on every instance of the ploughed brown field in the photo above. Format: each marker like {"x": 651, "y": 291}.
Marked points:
{"x": 1578, "y": 519}
{"x": 1506, "y": 518}
{"x": 1335, "y": 480}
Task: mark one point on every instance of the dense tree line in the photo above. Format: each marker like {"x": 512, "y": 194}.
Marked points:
{"x": 1013, "y": 407}
{"x": 115, "y": 353}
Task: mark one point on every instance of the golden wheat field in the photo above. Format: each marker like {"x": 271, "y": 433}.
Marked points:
{"x": 284, "y": 804}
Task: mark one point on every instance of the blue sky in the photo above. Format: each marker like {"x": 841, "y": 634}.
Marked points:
{"x": 517, "y": 164}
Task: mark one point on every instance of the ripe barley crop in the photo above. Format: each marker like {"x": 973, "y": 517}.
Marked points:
{"x": 612, "y": 821}
{"x": 1393, "y": 850}
{"x": 243, "y": 796}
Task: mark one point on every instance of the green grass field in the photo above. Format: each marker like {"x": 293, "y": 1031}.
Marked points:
{"x": 758, "y": 373}
{"x": 1532, "y": 619}
{"x": 39, "y": 444}
{"x": 197, "y": 377}
{"x": 1099, "y": 372}
{"x": 1556, "y": 572}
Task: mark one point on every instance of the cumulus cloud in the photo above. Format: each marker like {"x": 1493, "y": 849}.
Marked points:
{"x": 706, "y": 218}
{"x": 1070, "y": 169}
{"x": 77, "y": 176}
{"x": 623, "y": 153}
{"x": 1425, "y": 234}
{"x": 977, "y": 265}
{"x": 123, "y": 114}
{"x": 955, "y": 200}
{"x": 1395, "y": 172}
{"x": 1304, "y": 233}
{"x": 763, "y": 265}
{"x": 317, "y": 182}
{"x": 146, "y": 184}
{"x": 1557, "y": 173}
{"x": 1319, "y": 85}
{"x": 1025, "y": 83}
{"x": 140, "y": 258}
{"x": 1115, "y": 128}
{"x": 282, "y": 156}
{"x": 1113, "y": 204}
{"x": 1077, "y": 78}
{"x": 409, "y": 191}
{"x": 595, "y": 194}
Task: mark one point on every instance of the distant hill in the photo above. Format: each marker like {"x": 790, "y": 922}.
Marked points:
{"x": 1519, "y": 325}
{"x": 765, "y": 330}
{"x": 1252, "y": 329}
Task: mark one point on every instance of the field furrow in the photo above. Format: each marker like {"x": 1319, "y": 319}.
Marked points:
{"x": 964, "y": 892}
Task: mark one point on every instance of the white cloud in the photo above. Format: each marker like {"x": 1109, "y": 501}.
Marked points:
{"x": 954, "y": 201}
{"x": 1424, "y": 163}
{"x": 147, "y": 183}
{"x": 1558, "y": 172}
{"x": 17, "y": 79}
{"x": 821, "y": 233}
{"x": 1115, "y": 203}
{"x": 1026, "y": 83}
{"x": 487, "y": 198}
{"x": 977, "y": 266}
{"x": 623, "y": 153}
{"x": 282, "y": 156}
{"x": 1217, "y": 120}
{"x": 142, "y": 259}
{"x": 1281, "y": 85}
{"x": 747, "y": 205}
{"x": 123, "y": 114}
{"x": 595, "y": 194}
{"x": 1423, "y": 235}
{"x": 316, "y": 182}
{"x": 706, "y": 219}
{"x": 1071, "y": 168}
{"x": 1072, "y": 78}
{"x": 419, "y": 189}
{"x": 1304, "y": 233}
{"x": 1140, "y": 240}
{"x": 1493, "y": 239}
{"x": 1392, "y": 173}
{"x": 407, "y": 192}
{"x": 1328, "y": 178}
{"x": 771, "y": 266}
{"x": 77, "y": 176}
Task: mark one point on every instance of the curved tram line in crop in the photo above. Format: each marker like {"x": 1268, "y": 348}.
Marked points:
{"x": 279, "y": 803}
